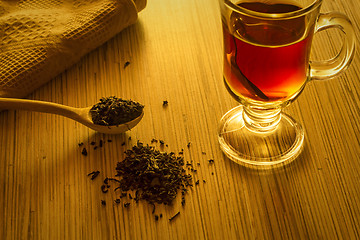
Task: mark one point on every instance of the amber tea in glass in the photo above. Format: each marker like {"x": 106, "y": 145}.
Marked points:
{"x": 267, "y": 46}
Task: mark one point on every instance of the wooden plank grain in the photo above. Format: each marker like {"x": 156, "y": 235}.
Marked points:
{"x": 174, "y": 53}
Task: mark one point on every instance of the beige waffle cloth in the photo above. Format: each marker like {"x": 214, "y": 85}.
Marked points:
{"x": 41, "y": 38}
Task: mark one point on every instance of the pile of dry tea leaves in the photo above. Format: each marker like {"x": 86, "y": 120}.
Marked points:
{"x": 155, "y": 176}
{"x": 148, "y": 174}
{"x": 111, "y": 111}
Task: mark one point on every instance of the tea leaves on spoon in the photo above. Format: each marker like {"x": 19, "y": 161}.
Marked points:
{"x": 113, "y": 111}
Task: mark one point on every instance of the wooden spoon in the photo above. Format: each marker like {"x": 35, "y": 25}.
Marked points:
{"x": 81, "y": 115}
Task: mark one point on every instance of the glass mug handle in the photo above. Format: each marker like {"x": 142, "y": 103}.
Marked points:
{"x": 320, "y": 70}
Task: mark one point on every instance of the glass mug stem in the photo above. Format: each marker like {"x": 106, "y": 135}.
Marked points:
{"x": 321, "y": 70}
{"x": 261, "y": 120}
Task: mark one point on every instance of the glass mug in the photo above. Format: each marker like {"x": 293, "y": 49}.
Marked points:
{"x": 267, "y": 46}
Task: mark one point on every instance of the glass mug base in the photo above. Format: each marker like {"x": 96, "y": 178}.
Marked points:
{"x": 262, "y": 150}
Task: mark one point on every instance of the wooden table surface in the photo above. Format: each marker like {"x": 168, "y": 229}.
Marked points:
{"x": 175, "y": 54}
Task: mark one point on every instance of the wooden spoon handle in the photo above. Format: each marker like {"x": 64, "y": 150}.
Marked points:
{"x": 37, "y": 106}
